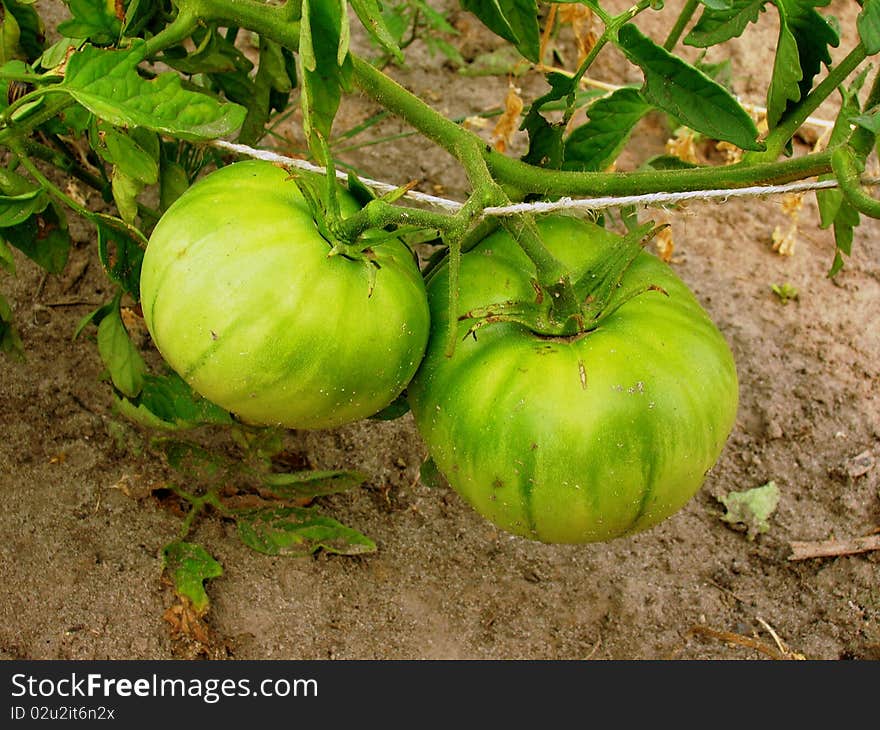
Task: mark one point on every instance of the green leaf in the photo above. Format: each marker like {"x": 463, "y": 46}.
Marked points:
{"x": 596, "y": 144}
{"x": 189, "y": 566}
{"x": 121, "y": 250}
{"x": 667, "y": 162}
{"x": 167, "y": 402}
{"x": 213, "y": 54}
{"x": 514, "y": 20}
{"x": 7, "y": 261}
{"x": 194, "y": 462}
{"x": 107, "y": 83}
{"x": 752, "y": 508}
{"x": 119, "y": 354}
{"x": 92, "y": 19}
{"x": 93, "y": 317}
{"x": 787, "y": 74}
{"x": 830, "y": 200}
{"x": 813, "y": 35}
{"x": 394, "y": 410}
{"x": 868, "y": 24}
{"x": 10, "y": 341}
{"x": 371, "y": 18}
{"x": 688, "y": 94}
{"x": 545, "y": 138}
{"x": 271, "y": 90}
{"x": 845, "y": 221}
{"x": 15, "y": 209}
{"x": 29, "y": 29}
{"x": 299, "y": 531}
{"x": 173, "y": 182}
{"x": 719, "y": 24}
{"x": 125, "y": 192}
{"x": 43, "y": 238}
{"x": 325, "y": 74}
{"x": 123, "y": 150}
{"x": 430, "y": 475}
{"x": 310, "y": 484}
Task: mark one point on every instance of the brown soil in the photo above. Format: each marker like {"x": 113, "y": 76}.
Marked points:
{"x": 82, "y": 531}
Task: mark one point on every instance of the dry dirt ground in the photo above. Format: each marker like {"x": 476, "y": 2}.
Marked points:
{"x": 81, "y": 531}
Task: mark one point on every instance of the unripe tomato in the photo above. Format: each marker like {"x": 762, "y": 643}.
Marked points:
{"x": 243, "y": 301}
{"x": 576, "y": 439}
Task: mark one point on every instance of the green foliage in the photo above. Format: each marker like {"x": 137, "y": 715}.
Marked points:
{"x": 299, "y": 531}
{"x": 189, "y": 566}
{"x": 107, "y": 83}
{"x": 751, "y": 508}
{"x": 688, "y": 94}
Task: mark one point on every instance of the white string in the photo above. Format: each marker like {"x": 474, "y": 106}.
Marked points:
{"x": 303, "y": 165}
{"x": 566, "y": 203}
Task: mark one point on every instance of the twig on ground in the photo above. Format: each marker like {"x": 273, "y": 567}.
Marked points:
{"x": 803, "y": 550}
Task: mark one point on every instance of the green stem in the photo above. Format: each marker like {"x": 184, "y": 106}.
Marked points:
{"x": 177, "y": 31}
{"x": 846, "y": 168}
{"x": 795, "y": 118}
{"x": 687, "y": 12}
{"x": 275, "y": 22}
{"x": 862, "y": 140}
{"x": 539, "y": 181}
{"x": 380, "y": 214}
{"x": 26, "y": 162}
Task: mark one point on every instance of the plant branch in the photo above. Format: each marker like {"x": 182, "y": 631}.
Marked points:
{"x": 797, "y": 115}
{"x": 687, "y": 12}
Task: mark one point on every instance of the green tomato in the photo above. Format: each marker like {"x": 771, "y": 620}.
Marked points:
{"x": 580, "y": 439}
{"x": 243, "y": 301}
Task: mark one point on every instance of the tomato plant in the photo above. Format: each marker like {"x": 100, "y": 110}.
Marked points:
{"x": 582, "y": 437}
{"x": 243, "y": 300}
{"x": 591, "y": 392}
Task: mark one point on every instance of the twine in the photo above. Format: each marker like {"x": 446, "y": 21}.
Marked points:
{"x": 565, "y": 203}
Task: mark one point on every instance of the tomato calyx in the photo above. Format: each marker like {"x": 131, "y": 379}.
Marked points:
{"x": 597, "y": 291}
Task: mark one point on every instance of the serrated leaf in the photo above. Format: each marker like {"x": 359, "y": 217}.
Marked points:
{"x": 299, "y": 531}
{"x": 107, "y": 83}
{"x": 598, "y": 143}
{"x": 371, "y": 18}
{"x": 119, "y": 354}
{"x": 752, "y": 508}
{"x": 813, "y": 34}
{"x": 719, "y": 24}
{"x": 121, "y": 251}
{"x": 787, "y": 74}
{"x": 514, "y": 20}
{"x": 167, "y": 402}
{"x": 43, "y": 238}
{"x": 189, "y": 566}
{"x": 846, "y": 220}
{"x": 545, "y": 138}
{"x": 868, "y": 24}
{"x": 688, "y": 94}
{"x": 310, "y": 484}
